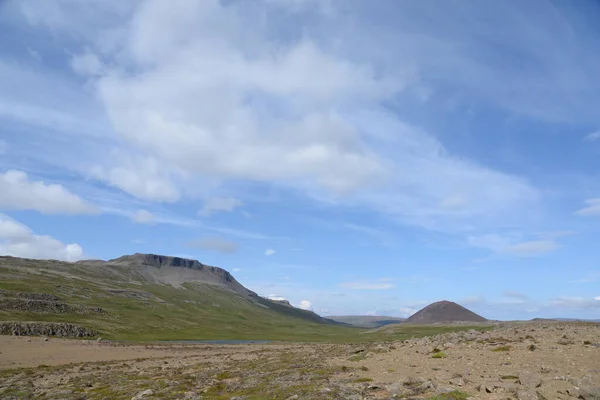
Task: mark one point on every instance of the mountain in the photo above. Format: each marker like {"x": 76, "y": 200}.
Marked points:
{"x": 444, "y": 311}
{"x": 150, "y": 297}
{"x": 366, "y": 321}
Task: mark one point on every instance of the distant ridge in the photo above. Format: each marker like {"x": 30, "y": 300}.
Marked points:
{"x": 367, "y": 321}
{"x": 444, "y": 311}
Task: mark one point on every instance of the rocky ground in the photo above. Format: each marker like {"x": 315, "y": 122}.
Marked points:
{"x": 514, "y": 361}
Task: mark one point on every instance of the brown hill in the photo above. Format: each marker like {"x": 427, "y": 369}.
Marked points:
{"x": 444, "y": 311}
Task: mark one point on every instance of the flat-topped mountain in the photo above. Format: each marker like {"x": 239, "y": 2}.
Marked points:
{"x": 176, "y": 271}
{"x": 148, "y": 296}
{"x": 444, "y": 311}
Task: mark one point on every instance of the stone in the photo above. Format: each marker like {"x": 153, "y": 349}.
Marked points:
{"x": 484, "y": 388}
{"x": 426, "y": 386}
{"x": 141, "y": 395}
{"x": 589, "y": 392}
{"x": 526, "y": 394}
{"x": 354, "y": 397}
{"x": 442, "y": 390}
{"x": 293, "y": 397}
{"x": 457, "y": 382}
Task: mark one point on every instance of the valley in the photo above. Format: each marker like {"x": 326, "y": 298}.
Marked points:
{"x": 117, "y": 329}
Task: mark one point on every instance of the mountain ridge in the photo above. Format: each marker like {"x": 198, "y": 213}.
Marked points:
{"x": 148, "y": 296}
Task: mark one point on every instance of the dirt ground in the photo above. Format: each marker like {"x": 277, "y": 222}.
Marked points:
{"x": 515, "y": 361}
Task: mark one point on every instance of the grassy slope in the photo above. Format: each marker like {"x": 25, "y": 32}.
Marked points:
{"x": 195, "y": 313}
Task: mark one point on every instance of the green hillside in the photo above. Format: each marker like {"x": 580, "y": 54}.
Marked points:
{"x": 130, "y": 301}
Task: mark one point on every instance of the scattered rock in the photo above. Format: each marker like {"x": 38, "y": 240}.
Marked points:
{"x": 589, "y": 392}
{"x": 293, "y": 397}
{"x": 141, "y": 395}
{"x": 58, "y": 329}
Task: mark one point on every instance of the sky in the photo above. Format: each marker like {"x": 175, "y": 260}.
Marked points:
{"x": 352, "y": 157}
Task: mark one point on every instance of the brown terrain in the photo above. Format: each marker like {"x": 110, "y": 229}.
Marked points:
{"x": 444, "y": 311}
{"x": 534, "y": 360}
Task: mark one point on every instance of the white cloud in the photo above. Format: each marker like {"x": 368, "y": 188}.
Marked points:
{"x": 87, "y": 64}
{"x": 216, "y": 96}
{"x": 214, "y": 243}
{"x": 219, "y": 204}
{"x": 217, "y": 100}
{"x": 592, "y": 137}
{"x": 17, "y": 192}
{"x": 142, "y": 177}
{"x": 513, "y": 245}
{"x": 18, "y": 240}
{"x": 592, "y": 209}
{"x": 305, "y": 305}
{"x": 143, "y": 217}
{"x": 269, "y": 252}
{"x": 380, "y": 284}
{"x": 597, "y": 298}
{"x": 320, "y": 135}
{"x": 276, "y": 297}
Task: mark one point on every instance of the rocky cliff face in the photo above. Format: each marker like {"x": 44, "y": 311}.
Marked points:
{"x": 444, "y": 311}
{"x": 176, "y": 271}
{"x": 44, "y": 328}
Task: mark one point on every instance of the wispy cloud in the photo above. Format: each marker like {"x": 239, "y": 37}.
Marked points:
{"x": 219, "y": 204}
{"x": 592, "y": 137}
{"x": 592, "y": 209}
{"x": 368, "y": 155}
{"x": 379, "y": 284}
{"x": 590, "y": 278}
{"x": 575, "y": 302}
{"x": 515, "y": 295}
{"x": 214, "y": 243}
{"x": 513, "y": 245}
{"x": 143, "y": 217}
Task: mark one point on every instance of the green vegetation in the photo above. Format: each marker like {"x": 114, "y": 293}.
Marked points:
{"x": 454, "y": 395}
{"x": 138, "y": 310}
{"x": 502, "y": 348}
{"x": 357, "y": 357}
{"x": 439, "y": 354}
{"x": 509, "y": 377}
{"x": 361, "y": 380}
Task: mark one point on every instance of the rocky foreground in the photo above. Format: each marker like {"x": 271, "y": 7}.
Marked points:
{"x": 514, "y": 361}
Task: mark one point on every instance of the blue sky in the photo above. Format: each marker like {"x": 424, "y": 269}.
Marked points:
{"x": 353, "y": 157}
